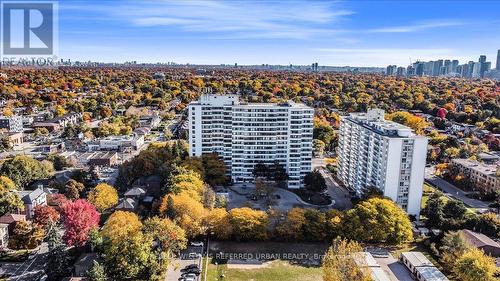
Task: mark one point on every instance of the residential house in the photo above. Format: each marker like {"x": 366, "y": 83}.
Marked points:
{"x": 31, "y": 199}
{"x": 127, "y": 204}
{"x": 483, "y": 242}
{"x": 11, "y": 219}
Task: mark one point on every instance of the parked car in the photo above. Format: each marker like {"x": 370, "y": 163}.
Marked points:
{"x": 197, "y": 244}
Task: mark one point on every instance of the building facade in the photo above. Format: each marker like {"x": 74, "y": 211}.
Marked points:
{"x": 482, "y": 176}
{"x": 244, "y": 134}
{"x": 12, "y": 123}
{"x": 374, "y": 152}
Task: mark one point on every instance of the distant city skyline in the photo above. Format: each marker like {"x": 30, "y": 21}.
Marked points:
{"x": 337, "y": 33}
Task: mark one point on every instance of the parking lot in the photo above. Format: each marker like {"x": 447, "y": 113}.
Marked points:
{"x": 192, "y": 255}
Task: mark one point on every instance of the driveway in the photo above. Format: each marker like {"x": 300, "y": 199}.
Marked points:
{"x": 452, "y": 190}
{"x": 394, "y": 270}
{"x": 287, "y": 200}
{"x": 183, "y": 260}
{"x": 339, "y": 195}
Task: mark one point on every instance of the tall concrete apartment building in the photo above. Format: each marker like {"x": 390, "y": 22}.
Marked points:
{"x": 374, "y": 152}
{"x": 244, "y": 134}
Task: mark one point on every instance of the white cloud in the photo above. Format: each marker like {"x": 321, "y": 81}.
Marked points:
{"x": 416, "y": 27}
{"x": 234, "y": 19}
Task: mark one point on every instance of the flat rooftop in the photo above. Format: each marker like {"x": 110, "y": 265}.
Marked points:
{"x": 487, "y": 169}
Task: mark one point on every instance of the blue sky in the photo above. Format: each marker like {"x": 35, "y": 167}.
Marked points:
{"x": 355, "y": 33}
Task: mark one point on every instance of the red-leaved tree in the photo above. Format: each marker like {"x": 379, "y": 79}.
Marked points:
{"x": 45, "y": 214}
{"x": 79, "y": 218}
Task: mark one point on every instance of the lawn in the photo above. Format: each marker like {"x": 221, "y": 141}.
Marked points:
{"x": 277, "y": 270}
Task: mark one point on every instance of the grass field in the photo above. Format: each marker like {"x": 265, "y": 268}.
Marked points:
{"x": 275, "y": 271}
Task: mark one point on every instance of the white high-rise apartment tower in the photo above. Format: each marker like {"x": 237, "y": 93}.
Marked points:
{"x": 244, "y": 134}
{"x": 374, "y": 152}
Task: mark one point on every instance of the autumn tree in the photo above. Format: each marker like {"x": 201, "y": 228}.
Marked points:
{"x": 73, "y": 189}
{"x": 188, "y": 212}
{"x": 170, "y": 236}
{"x": 344, "y": 261}
{"x": 26, "y": 235}
{"x": 188, "y": 182}
{"x": 79, "y": 218}
{"x": 10, "y": 202}
{"x": 121, "y": 225}
{"x": 418, "y": 124}
{"x": 218, "y": 222}
{"x": 474, "y": 265}
{"x": 44, "y": 214}
{"x": 292, "y": 227}
{"x": 103, "y": 197}
{"x": 378, "y": 220}
{"x": 127, "y": 250}
{"x": 249, "y": 224}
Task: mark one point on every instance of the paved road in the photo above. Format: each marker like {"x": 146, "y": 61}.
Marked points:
{"x": 29, "y": 270}
{"x": 452, "y": 190}
{"x": 339, "y": 195}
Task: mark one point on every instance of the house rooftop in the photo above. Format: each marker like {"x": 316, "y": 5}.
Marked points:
{"x": 479, "y": 240}
{"x": 28, "y": 196}
{"x": 10, "y": 218}
{"x": 417, "y": 259}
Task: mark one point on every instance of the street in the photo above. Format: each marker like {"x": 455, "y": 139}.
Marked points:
{"x": 29, "y": 270}
{"x": 452, "y": 190}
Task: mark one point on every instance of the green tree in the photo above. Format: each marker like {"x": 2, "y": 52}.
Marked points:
{"x": 215, "y": 169}
{"x": 314, "y": 181}
{"x": 97, "y": 272}
{"x": 314, "y": 227}
{"x": 73, "y": 189}
{"x": 57, "y": 265}
{"x": 453, "y": 245}
{"x": 5, "y": 143}
{"x": 23, "y": 170}
{"x": 433, "y": 210}
{"x": 59, "y": 162}
{"x": 318, "y": 147}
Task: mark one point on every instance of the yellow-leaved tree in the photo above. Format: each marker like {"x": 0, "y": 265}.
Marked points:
{"x": 103, "y": 197}
{"x": 249, "y": 224}
{"x": 219, "y": 223}
{"x": 344, "y": 261}
{"x": 474, "y": 265}
{"x": 186, "y": 211}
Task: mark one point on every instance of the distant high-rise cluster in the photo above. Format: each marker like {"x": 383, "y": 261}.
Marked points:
{"x": 473, "y": 70}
